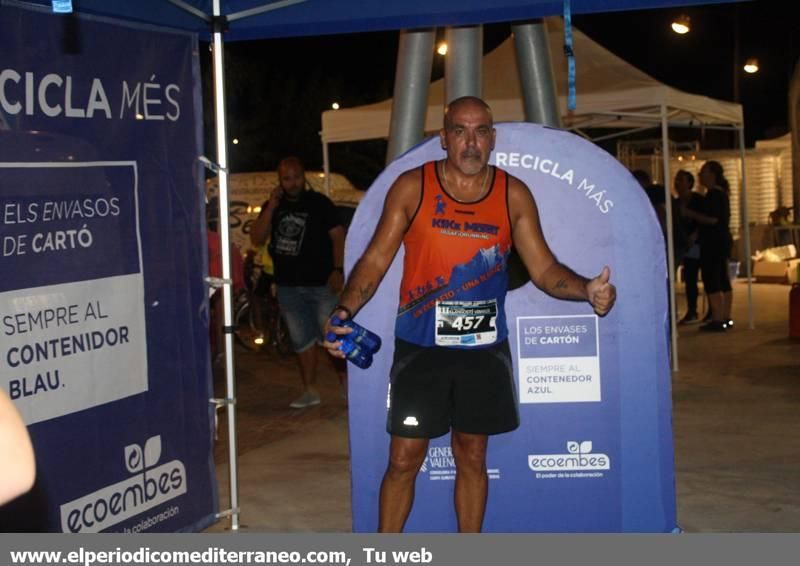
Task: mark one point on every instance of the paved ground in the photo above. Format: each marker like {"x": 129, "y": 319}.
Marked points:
{"x": 294, "y": 473}
{"x": 736, "y": 426}
{"x": 737, "y": 422}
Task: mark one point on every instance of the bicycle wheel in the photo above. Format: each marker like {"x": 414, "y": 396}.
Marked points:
{"x": 281, "y": 339}
{"x": 243, "y": 325}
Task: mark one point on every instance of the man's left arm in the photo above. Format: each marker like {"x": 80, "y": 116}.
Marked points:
{"x": 546, "y": 272}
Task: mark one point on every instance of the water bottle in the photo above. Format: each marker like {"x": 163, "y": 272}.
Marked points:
{"x": 364, "y": 338}
{"x": 352, "y": 351}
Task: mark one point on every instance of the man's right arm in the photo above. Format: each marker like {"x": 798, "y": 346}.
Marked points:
{"x": 398, "y": 209}
{"x": 259, "y": 231}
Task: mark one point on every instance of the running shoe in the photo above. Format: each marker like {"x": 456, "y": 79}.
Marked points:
{"x": 714, "y": 326}
{"x": 307, "y": 399}
{"x": 690, "y": 318}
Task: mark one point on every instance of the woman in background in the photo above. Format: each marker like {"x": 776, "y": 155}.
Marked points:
{"x": 691, "y": 200}
{"x": 715, "y": 245}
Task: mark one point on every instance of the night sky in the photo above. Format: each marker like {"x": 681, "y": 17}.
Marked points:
{"x": 277, "y": 88}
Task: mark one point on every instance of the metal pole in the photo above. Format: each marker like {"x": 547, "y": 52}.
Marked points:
{"x": 670, "y": 251}
{"x": 462, "y": 66}
{"x": 227, "y": 294}
{"x": 411, "y": 82}
{"x": 794, "y": 128}
{"x": 326, "y": 167}
{"x": 536, "y": 74}
{"x": 746, "y": 235}
{"x": 736, "y": 53}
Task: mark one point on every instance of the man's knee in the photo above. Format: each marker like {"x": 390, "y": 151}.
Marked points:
{"x": 406, "y": 456}
{"x": 470, "y": 450}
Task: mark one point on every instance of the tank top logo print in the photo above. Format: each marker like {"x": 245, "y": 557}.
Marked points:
{"x": 440, "y": 204}
{"x": 290, "y": 233}
{"x": 455, "y": 268}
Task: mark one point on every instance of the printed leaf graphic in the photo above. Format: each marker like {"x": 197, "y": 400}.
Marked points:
{"x": 152, "y": 451}
{"x": 134, "y": 460}
{"x": 586, "y": 446}
{"x": 572, "y": 447}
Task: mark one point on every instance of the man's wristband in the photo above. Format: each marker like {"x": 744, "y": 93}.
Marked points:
{"x": 342, "y": 308}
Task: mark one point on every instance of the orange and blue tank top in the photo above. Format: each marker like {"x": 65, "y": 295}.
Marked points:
{"x": 455, "y": 268}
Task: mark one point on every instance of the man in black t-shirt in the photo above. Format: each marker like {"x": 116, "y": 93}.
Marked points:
{"x": 307, "y": 249}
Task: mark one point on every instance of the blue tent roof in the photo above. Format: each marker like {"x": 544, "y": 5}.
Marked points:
{"x": 318, "y": 17}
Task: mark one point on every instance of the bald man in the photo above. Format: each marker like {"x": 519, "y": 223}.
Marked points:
{"x": 452, "y": 370}
{"x": 307, "y": 249}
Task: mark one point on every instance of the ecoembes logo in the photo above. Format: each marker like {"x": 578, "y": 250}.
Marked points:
{"x": 579, "y": 462}
{"x": 148, "y": 487}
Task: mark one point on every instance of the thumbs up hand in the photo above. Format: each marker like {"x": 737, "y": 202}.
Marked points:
{"x": 601, "y": 293}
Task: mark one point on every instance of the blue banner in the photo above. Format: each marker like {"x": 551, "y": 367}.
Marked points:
{"x": 594, "y": 449}
{"x": 103, "y": 308}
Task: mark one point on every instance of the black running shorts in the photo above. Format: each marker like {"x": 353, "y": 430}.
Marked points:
{"x": 434, "y": 389}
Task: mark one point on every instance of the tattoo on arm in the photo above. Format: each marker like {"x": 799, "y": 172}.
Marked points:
{"x": 560, "y": 284}
{"x": 365, "y": 292}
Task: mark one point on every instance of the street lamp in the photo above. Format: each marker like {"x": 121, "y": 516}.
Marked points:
{"x": 681, "y": 25}
{"x": 751, "y": 65}
{"x": 442, "y": 49}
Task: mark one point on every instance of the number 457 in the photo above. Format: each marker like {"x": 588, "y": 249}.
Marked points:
{"x": 467, "y": 322}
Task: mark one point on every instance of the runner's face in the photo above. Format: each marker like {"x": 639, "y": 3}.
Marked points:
{"x": 468, "y": 137}
{"x": 292, "y": 178}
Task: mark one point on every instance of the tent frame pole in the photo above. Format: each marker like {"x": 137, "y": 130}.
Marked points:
{"x": 670, "y": 239}
{"x": 268, "y": 7}
{"x": 746, "y": 234}
{"x": 190, "y": 9}
{"x": 227, "y": 288}
{"x": 326, "y": 167}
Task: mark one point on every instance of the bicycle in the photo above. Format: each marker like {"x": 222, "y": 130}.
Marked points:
{"x": 259, "y": 324}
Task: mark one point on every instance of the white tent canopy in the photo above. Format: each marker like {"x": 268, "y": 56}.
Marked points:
{"x": 781, "y": 143}
{"x": 611, "y": 94}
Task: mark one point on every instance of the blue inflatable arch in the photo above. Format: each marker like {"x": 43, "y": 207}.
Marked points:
{"x": 594, "y": 450}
